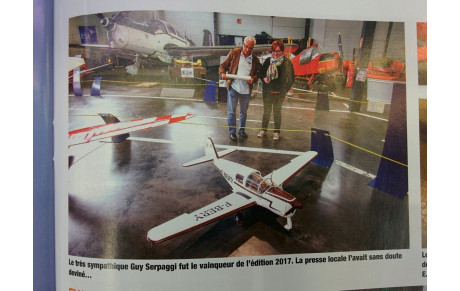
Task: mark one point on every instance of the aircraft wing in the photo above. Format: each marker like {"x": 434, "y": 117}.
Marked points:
{"x": 105, "y": 50}
{"x": 288, "y": 171}
{"x": 115, "y": 128}
{"x": 189, "y": 221}
{"x": 216, "y": 51}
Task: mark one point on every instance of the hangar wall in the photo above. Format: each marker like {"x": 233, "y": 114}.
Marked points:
{"x": 228, "y": 24}
{"x": 191, "y": 24}
{"x": 396, "y": 47}
{"x": 293, "y": 27}
{"x": 325, "y": 32}
{"x": 350, "y": 32}
{"x": 277, "y": 27}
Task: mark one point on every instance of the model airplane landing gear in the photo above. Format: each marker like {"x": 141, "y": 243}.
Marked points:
{"x": 288, "y": 225}
{"x": 239, "y": 218}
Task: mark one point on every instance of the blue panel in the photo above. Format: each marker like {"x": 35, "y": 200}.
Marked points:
{"x": 96, "y": 88}
{"x": 392, "y": 177}
{"x": 322, "y": 144}
{"x": 210, "y": 92}
{"x": 43, "y": 169}
{"x": 76, "y": 82}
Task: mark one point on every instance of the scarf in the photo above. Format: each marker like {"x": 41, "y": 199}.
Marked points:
{"x": 272, "y": 71}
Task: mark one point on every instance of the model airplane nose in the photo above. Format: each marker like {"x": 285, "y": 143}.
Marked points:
{"x": 297, "y": 204}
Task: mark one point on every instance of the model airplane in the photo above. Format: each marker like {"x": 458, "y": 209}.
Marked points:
{"x": 116, "y": 129}
{"x": 249, "y": 189}
{"x": 155, "y": 38}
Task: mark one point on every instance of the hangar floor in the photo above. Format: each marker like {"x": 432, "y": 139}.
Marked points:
{"x": 117, "y": 192}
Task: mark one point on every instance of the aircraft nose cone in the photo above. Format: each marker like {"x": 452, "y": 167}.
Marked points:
{"x": 105, "y": 22}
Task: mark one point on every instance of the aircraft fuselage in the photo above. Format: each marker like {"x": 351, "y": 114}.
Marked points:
{"x": 145, "y": 39}
{"x": 248, "y": 181}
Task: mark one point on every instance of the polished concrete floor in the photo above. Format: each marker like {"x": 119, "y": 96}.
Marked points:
{"x": 117, "y": 192}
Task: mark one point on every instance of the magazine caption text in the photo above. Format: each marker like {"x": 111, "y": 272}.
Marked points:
{"x": 86, "y": 268}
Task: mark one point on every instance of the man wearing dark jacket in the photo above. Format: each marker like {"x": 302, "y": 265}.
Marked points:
{"x": 246, "y": 67}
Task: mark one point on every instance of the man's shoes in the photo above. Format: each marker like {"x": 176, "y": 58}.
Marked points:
{"x": 243, "y": 134}
{"x": 262, "y": 133}
{"x": 276, "y": 136}
{"x": 233, "y": 136}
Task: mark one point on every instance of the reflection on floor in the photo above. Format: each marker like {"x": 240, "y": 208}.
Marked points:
{"x": 254, "y": 247}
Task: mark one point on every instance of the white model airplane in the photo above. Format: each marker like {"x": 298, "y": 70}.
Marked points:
{"x": 155, "y": 38}
{"x": 249, "y": 188}
{"x": 115, "y": 128}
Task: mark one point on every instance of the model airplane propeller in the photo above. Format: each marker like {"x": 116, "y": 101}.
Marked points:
{"x": 249, "y": 189}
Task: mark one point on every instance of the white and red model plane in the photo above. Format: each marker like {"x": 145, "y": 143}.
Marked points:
{"x": 115, "y": 128}
{"x": 249, "y": 189}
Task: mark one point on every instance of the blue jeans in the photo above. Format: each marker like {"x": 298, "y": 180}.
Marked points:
{"x": 232, "y": 101}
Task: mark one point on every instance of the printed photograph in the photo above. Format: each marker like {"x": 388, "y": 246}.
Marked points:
{"x": 210, "y": 135}
{"x": 422, "y": 80}
{"x": 422, "y": 54}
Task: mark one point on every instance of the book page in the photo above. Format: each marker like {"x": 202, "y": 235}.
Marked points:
{"x": 152, "y": 190}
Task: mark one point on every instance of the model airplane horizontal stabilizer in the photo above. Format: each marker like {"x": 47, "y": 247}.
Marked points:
{"x": 219, "y": 209}
{"x": 281, "y": 176}
{"x": 209, "y": 158}
{"x": 114, "y": 128}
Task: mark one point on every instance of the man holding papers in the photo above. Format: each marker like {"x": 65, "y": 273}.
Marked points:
{"x": 241, "y": 70}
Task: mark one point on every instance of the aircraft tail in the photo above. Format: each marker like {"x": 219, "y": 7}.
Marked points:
{"x": 108, "y": 119}
{"x": 211, "y": 154}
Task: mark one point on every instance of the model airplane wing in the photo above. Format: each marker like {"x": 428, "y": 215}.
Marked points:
{"x": 189, "y": 221}
{"x": 115, "y": 128}
{"x": 288, "y": 171}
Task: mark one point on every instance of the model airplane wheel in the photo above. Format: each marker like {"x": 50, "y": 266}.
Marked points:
{"x": 239, "y": 218}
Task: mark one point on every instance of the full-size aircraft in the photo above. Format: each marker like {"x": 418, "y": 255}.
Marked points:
{"x": 249, "y": 189}
{"x": 155, "y": 38}
{"x": 314, "y": 62}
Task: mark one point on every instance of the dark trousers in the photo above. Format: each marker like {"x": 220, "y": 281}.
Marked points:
{"x": 272, "y": 101}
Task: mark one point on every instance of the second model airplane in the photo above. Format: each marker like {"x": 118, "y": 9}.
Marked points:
{"x": 249, "y": 189}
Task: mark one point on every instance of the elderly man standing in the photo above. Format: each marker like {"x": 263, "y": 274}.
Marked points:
{"x": 246, "y": 67}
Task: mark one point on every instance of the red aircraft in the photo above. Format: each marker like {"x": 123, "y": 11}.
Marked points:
{"x": 314, "y": 62}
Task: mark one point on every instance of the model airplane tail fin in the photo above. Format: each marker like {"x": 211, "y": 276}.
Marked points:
{"x": 211, "y": 154}
{"x": 108, "y": 119}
